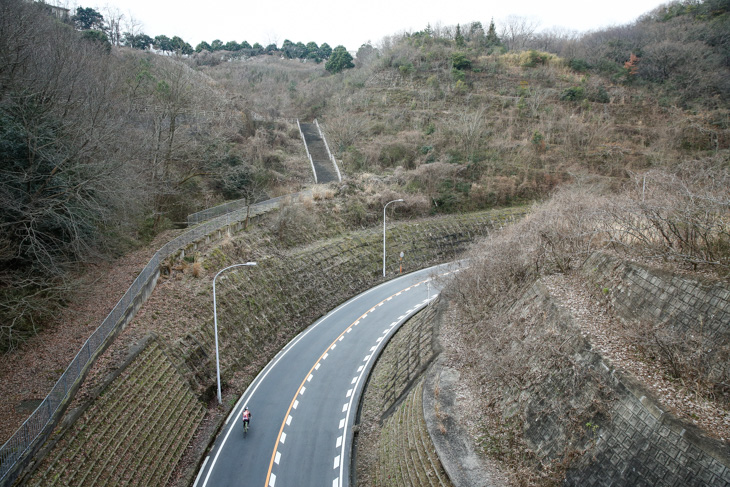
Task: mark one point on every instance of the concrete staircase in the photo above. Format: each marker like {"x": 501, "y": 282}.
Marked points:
{"x": 323, "y": 166}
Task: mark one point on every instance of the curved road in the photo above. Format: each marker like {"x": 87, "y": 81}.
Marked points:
{"x": 303, "y": 403}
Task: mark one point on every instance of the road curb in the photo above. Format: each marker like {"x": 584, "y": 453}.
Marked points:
{"x": 457, "y": 455}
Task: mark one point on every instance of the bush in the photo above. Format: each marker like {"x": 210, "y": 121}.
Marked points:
{"x": 397, "y": 155}
{"x": 580, "y": 65}
{"x": 681, "y": 216}
{"x": 535, "y": 58}
{"x": 460, "y": 61}
{"x": 574, "y": 93}
{"x": 598, "y": 95}
{"x": 695, "y": 359}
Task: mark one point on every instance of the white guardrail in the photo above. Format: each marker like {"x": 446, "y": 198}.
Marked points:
{"x": 314, "y": 171}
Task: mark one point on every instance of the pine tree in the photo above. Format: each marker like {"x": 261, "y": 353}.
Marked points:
{"x": 459, "y": 38}
{"x": 492, "y": 37}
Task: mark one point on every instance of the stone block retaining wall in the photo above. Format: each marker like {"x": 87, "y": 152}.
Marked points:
{"x": 633, "y": 441}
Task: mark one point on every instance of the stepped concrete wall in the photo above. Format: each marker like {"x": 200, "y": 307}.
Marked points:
{"x": 634, "y": 441}
{"x": 640, "y": 293}
{"x": 627, "y": 438}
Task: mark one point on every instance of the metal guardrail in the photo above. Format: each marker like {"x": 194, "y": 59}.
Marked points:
{"x": 40, "y": 424}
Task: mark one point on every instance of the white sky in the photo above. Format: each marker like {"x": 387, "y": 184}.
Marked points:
{"x": 353, "y": 23}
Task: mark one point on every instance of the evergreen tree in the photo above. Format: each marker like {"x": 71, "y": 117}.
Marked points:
{"x": 459, "y": 38}
{"x": 339, "y": 60}
{"x": 139, "y": 41}
{"x": 232, "y": 46}
{"x": 88, "y": 19}
{"x": 325, "y": 50}
{"x": 163, "y": 43}
{"x": 492, "y": 37}
{"x": 203, "y": 46}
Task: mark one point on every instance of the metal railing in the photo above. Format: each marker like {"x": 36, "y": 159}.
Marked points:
{"x": 224, "y": 209}
{"x": 314, "y": 171}
{"x": 326, "y": 146}
{"x": 40, "y": 424}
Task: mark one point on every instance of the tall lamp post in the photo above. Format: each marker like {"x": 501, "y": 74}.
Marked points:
{"x": 386, "y": 205}
{"x": 215, "y": 325}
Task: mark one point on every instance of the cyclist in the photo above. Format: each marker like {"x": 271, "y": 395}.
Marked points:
{"x": 246, "y": 416}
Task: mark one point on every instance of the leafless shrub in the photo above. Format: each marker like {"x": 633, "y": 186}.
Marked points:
{"x": 296, "y": 222}
{"x": 556, "y": 237}
{"x": 344, "y": 126}
{"x": 681, "y": 216}
{"x": 320, "y": 193}
{"x": 700, "y": 362}
{"x": 26, "y": 305}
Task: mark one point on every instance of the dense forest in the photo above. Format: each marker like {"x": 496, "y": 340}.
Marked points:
{"x": 108, "y": 138}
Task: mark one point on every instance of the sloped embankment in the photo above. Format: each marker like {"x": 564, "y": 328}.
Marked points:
{"x": 133, "y": 434}
{"x": 269, "y": 304}
{"x": 561, "y": 413}
{"x": 406, "y": 455}
{"x": 392, "y": 444}
{"x": 262, "y": 308}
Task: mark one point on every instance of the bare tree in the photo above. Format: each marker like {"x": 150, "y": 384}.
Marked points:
{"x": 518, "y": 32}
{"x": 114, "y": 19}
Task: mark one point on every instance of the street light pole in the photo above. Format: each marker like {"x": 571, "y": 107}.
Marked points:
{"x": 215, "y": 325}
{"x": 386, "y": 205}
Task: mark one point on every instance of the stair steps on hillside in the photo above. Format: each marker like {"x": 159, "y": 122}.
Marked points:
{"x": 323, "y": 166}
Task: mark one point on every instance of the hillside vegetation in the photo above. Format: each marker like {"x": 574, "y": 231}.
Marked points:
{"x": 106, "y": 145}
{"x": 620, "y": 137}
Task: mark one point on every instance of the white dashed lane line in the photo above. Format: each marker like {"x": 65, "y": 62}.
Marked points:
{"x": 355, "y": 380}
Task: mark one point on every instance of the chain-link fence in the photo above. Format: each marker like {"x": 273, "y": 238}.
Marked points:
{"x": 41, "y": 422}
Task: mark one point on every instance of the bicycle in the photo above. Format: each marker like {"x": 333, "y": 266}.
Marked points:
{"x": 246, "y": 417}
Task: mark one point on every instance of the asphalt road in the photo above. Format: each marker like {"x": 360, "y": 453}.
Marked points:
{"x": 303, "y": 403}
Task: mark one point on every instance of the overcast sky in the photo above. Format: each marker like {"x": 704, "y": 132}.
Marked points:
{"x": 353, "y": 23}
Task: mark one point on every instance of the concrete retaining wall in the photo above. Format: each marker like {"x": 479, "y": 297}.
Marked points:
{"x": 634, "y": 441}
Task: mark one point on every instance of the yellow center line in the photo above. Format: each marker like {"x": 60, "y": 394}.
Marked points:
{"x": 334, "y": 342}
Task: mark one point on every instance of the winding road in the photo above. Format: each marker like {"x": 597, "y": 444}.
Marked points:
{"x": 303, "y": 403}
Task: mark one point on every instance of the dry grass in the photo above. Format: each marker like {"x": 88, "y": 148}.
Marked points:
{"x": 197, "y": 269}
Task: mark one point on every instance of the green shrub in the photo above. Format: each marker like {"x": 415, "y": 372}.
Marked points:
{"x": 580, "y": 65}
{"x": 458, "y": 75}
{"x": 574, "y": 93}
{"x": 397, "y": 154}
{"x": 406, "y": 69}
{"x": 599, "y": 95}
{"x": 460, "y": 61}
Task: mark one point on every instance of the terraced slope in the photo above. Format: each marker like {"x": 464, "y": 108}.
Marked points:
{"x": 406, "y": 456}
{"x": 261, "y": 310}
{"x": 133, "y": 434}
